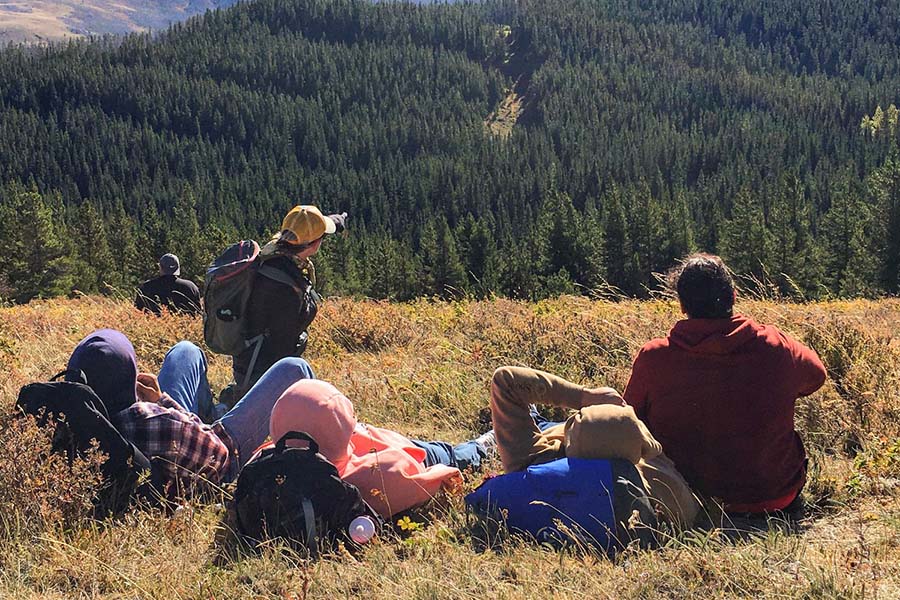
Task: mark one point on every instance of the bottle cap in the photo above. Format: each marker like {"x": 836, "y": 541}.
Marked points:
{"x": 362, "y": 529}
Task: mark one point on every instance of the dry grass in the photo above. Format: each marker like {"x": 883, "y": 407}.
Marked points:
{"x": 34, "y": 21}
{"x": 42, "y": 21}
{"x": 423, "y": 369}
{"x": 503, "y": 119}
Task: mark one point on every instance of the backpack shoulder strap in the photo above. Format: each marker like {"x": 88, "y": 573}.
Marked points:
{"x": 276, "y": 274}
{"x": 82, "y": 378}
{"x": 309, "y": 515}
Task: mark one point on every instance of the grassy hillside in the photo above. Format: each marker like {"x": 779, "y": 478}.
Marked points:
{"x": 423, "y": 369}
{"x": 52, "y": 20}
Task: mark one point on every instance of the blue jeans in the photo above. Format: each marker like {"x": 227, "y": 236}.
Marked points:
{"x": 542, "y": 422}
{"x": 467, "y": 455}
{"x": 183, "y": 377}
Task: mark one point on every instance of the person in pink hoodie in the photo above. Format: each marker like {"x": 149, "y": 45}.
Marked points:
{"x": 392, "y": 472}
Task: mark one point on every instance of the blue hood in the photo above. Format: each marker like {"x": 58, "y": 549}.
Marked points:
{"x": 107, "y": 359}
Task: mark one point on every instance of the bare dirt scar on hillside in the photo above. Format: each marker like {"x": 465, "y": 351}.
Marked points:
{"x": 519, "y": 66}
{"x": 503, "y": 119}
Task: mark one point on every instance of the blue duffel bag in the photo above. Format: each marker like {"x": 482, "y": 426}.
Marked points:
{"x": 569, "y": 501}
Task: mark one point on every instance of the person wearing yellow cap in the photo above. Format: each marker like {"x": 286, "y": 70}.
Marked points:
{"x": 283, "y": 302}
{"x": 306, "y": 225}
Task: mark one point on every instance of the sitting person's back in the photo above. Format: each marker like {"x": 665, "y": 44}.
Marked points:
{"x": 719, "y": 394}
{"x": 282, "y": 313}
{"x": 168, "y": 290}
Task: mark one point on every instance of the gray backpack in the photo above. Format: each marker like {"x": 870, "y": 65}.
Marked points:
{"x": 229, "y": 284}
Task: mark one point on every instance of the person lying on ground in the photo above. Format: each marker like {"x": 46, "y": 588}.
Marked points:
{"x": 392, "y": 472}
{"x": 719, "y": 392}
{"x": 159, "y": 414}
{"x": 602, "y": 428}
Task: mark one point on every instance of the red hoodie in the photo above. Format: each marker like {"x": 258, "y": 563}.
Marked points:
{"x": 719, "y": 395}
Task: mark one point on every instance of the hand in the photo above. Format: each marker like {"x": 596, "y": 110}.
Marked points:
{"x": 340, "y": 221}
{"x": 148, "y": 388}
{"x": 601, "y": 395}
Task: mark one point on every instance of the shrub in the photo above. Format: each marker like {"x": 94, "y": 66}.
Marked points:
{"x": 38, "y": 489}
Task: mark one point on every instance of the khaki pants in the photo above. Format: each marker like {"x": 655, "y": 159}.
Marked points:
{"x": 598, "y": 431}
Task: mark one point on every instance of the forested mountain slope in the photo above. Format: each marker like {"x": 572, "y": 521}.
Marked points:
{"x": 634, "y": 132}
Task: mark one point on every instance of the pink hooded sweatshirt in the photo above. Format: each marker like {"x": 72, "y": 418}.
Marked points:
{"x": 388, "y": 469}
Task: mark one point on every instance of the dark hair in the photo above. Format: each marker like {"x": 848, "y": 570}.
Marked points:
{"x": 704, "y": 285}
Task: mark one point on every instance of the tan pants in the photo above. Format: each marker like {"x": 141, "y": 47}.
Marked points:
{"x": 598, "y": 431}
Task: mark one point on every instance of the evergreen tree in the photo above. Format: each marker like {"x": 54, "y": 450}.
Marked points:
{"x": 124, "y": 243}
{"x": 153, "y": 242}
{"x": 89, "y": 244}
{"x": 794, "y": 257}
{"x": 393, "y": 272}
{"x": 844, "y": 234}
{"x": 679, "y": 230}
{"x": 564, "y": 250}
{"x": 617, "y": 249}
{"x": 884, "y": 185}
{"x": 594, "y": 243}
{"x": 746, "y": 240}
{"x": 338, "y": 267}
{"x": 35, "y": 263}
{"x": 482, "y": 258}
{"x": 884, "y": 189}
{"x": 213, "y": 240}
{"x": 558, "y": 283}
{"x": 649, "y": 239}
{"x": 185, "y": 240}
{"x": 443, "y": 271}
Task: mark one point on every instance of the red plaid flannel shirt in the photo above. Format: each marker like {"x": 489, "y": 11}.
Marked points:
{"x": 185, "y": 452}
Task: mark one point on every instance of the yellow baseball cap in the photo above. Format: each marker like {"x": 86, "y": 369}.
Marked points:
{"x": 304, "y": 224}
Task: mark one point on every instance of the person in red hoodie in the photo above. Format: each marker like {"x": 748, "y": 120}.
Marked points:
{"x": 718, "y": 393}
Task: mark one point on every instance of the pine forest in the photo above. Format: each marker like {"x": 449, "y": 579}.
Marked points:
{"x": 523, "y": 148}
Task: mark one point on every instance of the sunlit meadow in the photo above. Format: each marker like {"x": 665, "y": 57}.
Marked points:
{"x": 423, "y": 369}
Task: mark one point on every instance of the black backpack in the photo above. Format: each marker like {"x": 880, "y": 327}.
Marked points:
{"x": 297, "y": 495}
{"x": 79, "y": 417}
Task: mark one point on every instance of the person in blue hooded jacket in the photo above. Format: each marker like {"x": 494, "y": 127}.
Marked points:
{"x": 159, "y": 415}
